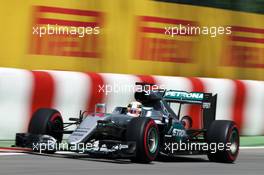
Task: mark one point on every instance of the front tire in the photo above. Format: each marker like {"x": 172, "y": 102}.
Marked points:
{"x": 223, "y": 132}
{"x": 144, "y": 132}
{"x": 47, "y": 121}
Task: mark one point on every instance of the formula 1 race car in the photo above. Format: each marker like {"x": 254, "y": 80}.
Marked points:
{"x": 160, "y": 130}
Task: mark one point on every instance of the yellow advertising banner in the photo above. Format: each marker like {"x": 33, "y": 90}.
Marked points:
{"x": 138, "y": 37}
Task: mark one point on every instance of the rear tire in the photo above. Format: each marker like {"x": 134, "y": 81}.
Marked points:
{"x": 47, "y": 121}
{"x": 223, "y": 131}
{"x": 144, "y": 132}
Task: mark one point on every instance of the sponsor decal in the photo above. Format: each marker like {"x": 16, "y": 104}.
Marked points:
{"x": 66, "y": 32}
{"x": 178, "y": 132}
{"x": 184, "y": 95}
{"x": 244, "y": 48}
{"x": 153, "y": 42}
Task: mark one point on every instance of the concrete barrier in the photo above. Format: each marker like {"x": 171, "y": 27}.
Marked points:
{"x": 23, "y": 91}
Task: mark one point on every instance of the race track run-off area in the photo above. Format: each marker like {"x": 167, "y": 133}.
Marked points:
{"x": 250, "y": 161}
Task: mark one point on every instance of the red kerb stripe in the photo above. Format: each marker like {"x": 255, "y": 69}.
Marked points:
{"x": 147, "y": 79}
{"x": 42, "y": 92}
{"x": 195, "y": 110}
{"x": 239, "y": 103}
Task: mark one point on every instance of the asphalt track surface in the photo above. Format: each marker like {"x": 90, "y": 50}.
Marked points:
{"x": 250, "y": 161}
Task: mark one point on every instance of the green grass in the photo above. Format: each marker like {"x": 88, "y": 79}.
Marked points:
{"x": 6, "y": 143}
{"x": 252, "y": 140}
{"x": 244, "y": 141}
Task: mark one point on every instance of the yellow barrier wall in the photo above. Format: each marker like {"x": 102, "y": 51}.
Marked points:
{"x": 127, "y": 42}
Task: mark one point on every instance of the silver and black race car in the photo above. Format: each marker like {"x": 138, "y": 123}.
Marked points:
{"x": 160, "y": 130}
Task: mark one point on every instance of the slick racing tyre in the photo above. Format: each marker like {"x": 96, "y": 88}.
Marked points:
{"x": 144, "y": 132}
{"x": 223, "y": 132}
{"x": 47, "y": 122}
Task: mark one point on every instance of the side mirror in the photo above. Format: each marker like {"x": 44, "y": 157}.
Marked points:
{"x": 100, "y": 108}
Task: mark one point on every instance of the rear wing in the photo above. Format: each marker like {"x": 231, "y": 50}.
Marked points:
{"x": 207, "y": 101}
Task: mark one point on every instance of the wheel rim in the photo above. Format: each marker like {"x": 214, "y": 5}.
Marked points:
{"x": 152, "y": 140}
{"x": 54, "y": 128}
{"x": 234, "y": 142}
{"x": 56, "y": 125}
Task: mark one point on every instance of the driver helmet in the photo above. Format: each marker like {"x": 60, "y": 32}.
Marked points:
{"x": 134, "y": 109}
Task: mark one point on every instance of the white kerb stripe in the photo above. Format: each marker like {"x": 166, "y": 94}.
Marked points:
{"x": 15, "y": 101}
{"x": 254, "y": 108}
{"x": 71, "y": 92}
{"x": 121, "y": 87}
{"x": 224, "y": 89}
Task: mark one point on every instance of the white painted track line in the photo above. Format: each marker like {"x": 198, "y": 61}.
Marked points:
{"x": 14, "y": 152}
{"x": 252, "y": 147}
{"x": 11, "y": 154}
